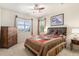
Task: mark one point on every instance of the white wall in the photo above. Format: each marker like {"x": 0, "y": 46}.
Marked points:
{"x": 0, "y": 17}
{"x": 7, "y": 18}
{"x": 71, "y": 16}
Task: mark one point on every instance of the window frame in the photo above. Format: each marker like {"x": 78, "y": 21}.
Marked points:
{"x": 23, "y": 30}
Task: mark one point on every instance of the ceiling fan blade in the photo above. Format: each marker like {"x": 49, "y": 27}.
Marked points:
{"x": 41, "y": 8}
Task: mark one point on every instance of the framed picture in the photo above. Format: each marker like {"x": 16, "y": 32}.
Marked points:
{"x": 57, "y": 20}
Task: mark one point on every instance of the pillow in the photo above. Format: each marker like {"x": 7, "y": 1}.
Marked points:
{"x": 55, "y": 36}
{"x": 41, "y": 36}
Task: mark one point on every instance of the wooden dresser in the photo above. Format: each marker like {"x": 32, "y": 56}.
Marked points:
{"x": 8, "y": 36}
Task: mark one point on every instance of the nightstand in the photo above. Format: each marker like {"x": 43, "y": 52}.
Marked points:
{"x": 74, "y": 41}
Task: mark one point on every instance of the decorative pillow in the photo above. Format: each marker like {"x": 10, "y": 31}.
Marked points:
{"x": 41, "y": 35}
{"x": 55, "y": 36}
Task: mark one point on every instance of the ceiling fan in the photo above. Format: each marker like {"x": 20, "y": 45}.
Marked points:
{"x": 38, "y": 7}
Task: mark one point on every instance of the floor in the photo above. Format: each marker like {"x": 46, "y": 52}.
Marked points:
{"x": 16, "y": 50}
{"x": 19, "y": 50}
{"x": 68, "y": 52}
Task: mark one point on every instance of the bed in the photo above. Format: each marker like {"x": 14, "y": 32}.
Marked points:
{"x": 41, "y": 44}
{"x": 35, "y": 45}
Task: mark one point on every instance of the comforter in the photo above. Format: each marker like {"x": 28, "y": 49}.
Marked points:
{"x": 41, "y": 47}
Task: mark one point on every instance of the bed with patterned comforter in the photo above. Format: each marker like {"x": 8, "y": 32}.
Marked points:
{"x": 40, "y": 46}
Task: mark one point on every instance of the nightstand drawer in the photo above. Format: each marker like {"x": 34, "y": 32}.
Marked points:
{"x": 75, "y": 42}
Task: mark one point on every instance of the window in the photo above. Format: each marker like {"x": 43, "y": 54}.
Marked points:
{"x": 23, "y": 25}
{"x": 41, "y": 24}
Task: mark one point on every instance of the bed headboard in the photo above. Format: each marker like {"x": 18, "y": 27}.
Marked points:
{"x": 59, "y": 30}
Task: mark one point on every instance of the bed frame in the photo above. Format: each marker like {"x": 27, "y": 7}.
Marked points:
{"x": 61, "y": 30}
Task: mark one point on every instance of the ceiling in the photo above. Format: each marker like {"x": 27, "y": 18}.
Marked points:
{"x": 27, "y": 8}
